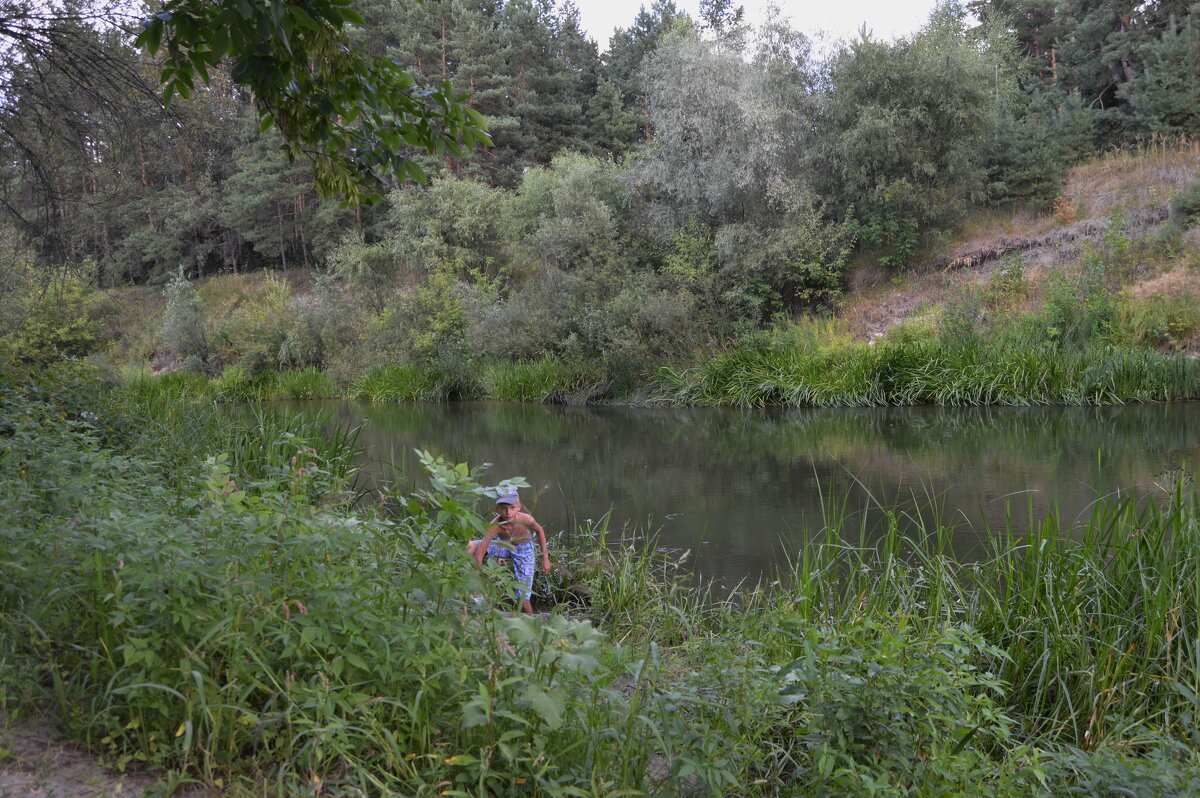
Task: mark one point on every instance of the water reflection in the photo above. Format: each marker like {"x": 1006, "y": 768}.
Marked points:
{"x": 742, "y": 489}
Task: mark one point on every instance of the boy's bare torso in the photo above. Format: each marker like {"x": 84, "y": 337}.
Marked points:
{"x": 516, "y": 529}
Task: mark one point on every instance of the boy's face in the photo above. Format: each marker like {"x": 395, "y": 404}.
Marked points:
{"x": 507, "y": 511}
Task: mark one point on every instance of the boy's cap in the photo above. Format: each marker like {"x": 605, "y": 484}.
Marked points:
{"x": 507, "y": 498}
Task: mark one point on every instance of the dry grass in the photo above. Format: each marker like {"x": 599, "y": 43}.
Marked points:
{"x": 1174, "y": 283}
{"x": 1137, "y": 176}
{"x": 1134, "y": 179}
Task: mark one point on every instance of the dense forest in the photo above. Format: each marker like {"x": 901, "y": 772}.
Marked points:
{"x": 698, "y": 180}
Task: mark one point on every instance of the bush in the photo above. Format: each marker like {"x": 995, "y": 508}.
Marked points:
{"x": 428, "y": 327}
{"x": 1186, "y": 206}
{"x": 254, "y": 334}
{"x": 369, "y": 270}
{"x": 47, "y": 316}
{"x": 183, "y": 334}
{"x": 885, "y": 705}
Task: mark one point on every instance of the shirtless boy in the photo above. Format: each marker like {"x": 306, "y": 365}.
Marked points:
{"x": 514, "y": 529}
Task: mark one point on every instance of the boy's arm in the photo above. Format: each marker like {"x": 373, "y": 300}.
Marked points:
{"x": 541, "y": 536}
{"x": 481, "y": 552}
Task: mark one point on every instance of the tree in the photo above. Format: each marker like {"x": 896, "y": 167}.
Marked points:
{"x": 899, "y": 133}
{"x": 1166, "y": 91}
{"x": 350, "y": 113}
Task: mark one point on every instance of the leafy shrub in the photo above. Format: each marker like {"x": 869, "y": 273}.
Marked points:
{"x": 570, "y": 216}
{"x": 255, "y": 333}
{"x": 47, "y": 316}
{"x": 890, "y": 226}
{"x": 958, "y": 321}
{"x": 883, "y": 705}
{"x": 539, "y": 317}
{"x": 75, "y": 393}
{"x": 449, "y": 220}
{"x": 427, "y": 325}
{"x": 1007, "y": 280}
{"x": 303, "y": 345}
{"x": 369, "y": 270}
{"x": 183, "y": 332}
{"x": 1186, "y": 206}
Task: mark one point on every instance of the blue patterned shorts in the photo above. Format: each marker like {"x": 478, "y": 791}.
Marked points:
{"x": 523, "y": 563}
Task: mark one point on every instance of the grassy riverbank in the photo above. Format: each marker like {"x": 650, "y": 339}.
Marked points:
{"x": 205, "y": 598}
{"x": 783, "y": 370}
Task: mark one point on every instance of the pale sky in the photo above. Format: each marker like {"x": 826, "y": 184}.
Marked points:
{"x": 839, "y": 19}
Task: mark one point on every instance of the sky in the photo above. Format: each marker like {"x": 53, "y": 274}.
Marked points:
{"x": 837, "y": 18}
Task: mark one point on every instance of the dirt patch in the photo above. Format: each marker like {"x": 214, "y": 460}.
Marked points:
{"x": 877, "y": 306}
{"x": 36, "y": 762}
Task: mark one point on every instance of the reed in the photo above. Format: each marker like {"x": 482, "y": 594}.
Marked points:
{"x": 401, "y": 383}
{"x": 912, "y": 372}
{"x": 309, "y": 383}
{"x": 546, "y": 379}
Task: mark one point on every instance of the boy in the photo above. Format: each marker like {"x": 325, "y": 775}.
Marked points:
{"x": 515, "y": 531}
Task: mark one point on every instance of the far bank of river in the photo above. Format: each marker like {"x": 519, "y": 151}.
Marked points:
{"x": 741, "y": 490}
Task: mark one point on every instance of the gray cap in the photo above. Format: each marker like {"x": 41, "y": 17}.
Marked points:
{"x": 508, "y": 498}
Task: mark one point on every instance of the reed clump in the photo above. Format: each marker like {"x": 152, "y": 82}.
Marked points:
{"x": 918, "y": 372}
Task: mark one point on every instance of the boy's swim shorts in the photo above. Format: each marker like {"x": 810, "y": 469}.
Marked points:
{"x": 523, "y": 563}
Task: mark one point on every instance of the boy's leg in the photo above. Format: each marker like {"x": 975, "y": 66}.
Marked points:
{"x": 523, "y": 560}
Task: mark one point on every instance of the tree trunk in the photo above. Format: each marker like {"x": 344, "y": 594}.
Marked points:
{"x": 282, "y": 242}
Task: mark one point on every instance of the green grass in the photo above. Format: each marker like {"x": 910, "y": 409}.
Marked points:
{"x": 547, "y": 379}
{"x": 308, "y": 383}
{"x": 401, "y": 383}
{"x": 916, "y": 372}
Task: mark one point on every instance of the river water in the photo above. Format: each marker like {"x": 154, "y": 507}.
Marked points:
{"x": 741, "y": 490}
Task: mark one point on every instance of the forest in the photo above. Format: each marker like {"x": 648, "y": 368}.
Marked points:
{"x": 698, "y": 182}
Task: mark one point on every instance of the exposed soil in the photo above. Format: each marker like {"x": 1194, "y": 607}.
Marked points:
{"x": 36, "y": 762}
{"x": 877, "y": 308}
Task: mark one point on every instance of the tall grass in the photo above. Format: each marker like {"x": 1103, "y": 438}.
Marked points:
{"x": 309, "y": 383}
{"x": 913, "y": 372}
{"x": 404, "y": 383}
{"x": 546, "y": 379}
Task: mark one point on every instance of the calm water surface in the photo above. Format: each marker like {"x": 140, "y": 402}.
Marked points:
{"x": 742, "y": 489}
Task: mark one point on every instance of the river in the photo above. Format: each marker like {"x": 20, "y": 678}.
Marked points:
{"x": 741, "y": 490}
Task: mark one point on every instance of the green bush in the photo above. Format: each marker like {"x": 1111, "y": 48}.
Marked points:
{"x": 254, "y": 334}
{"x": 883, "y": 705}
{"x": 183, "y": 331}
{"x": 47, "y": 317}
{"x": 1186, "y": 206}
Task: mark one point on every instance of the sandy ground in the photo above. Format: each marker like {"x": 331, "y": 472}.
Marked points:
{"x": 35, "y": 762}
